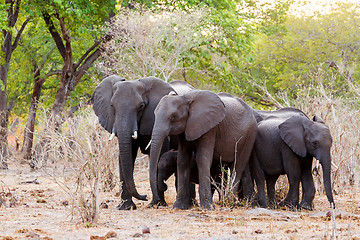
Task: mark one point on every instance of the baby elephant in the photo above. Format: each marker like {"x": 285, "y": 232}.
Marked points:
{"x": 286, "y": 143}
{"x": 167, "y": 167}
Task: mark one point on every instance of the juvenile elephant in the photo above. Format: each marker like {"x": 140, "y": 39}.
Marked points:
{"x": 126, "y": 109}
{"x": 215, "y": 127}
{"x": 286, "y": 143}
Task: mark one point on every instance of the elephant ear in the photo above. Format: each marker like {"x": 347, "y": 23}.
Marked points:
{"x": 155, "y": 89}
{"x": 205, "y": 112}
{"x": 101, "y": 101}
{"x": 292, "y": 133}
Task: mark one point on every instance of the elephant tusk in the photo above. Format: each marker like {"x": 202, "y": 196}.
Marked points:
{"x": 111, "y": 136}
{"x": 172, "y": 93}
{"x": 147, "y": 146}
{"x": 333, "y": 164}
{"x": 135, "y": 135}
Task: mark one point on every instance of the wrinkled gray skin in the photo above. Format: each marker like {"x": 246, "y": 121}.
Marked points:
{"x": 126, "y": 109}
{"x": 210, "y": 125}
{"x": 286, "y": 143}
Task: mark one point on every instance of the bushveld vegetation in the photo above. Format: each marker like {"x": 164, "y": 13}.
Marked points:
{"x": 263, "y": 53}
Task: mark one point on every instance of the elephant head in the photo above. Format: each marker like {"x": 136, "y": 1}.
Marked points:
{"x": 306, "y": 137}
{"x": 192, "y": 114}
{"x": 126, "y": 109}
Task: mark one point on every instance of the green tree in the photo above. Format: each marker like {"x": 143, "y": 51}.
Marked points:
{"x": 10, "y": 39}
{"x": 199, "y": 42}
{"x": 63, "y": 55}
{"x": 71, "y": 25}
{"x": 321, "y": 50}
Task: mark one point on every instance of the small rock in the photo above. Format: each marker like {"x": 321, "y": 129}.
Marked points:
{"x": 136, "y": 235}
{"x": 41, "y": 201}
{"x": 7, "y": 238}
{"x": 145, "y": 230}
{"x": 234, "y": 232}
{"x": 97, "y": 238}
{"x": 65, "y": 203}
{"x": 33, "y": 235}
{"x": 111, "y": 234}
{"x": 258, "y": 231}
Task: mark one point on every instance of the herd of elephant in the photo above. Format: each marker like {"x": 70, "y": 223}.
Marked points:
{"x": 193, "y": 133}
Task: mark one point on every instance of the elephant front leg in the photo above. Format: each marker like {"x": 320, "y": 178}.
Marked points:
{"x": 292, "y": 198}
{"x": 204, "y": 158}
{"x": 308, "y": 188}
{"x": 292, "y": 168}
{"x": 183, "y": 196}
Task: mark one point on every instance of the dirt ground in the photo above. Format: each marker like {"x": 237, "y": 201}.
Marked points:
{"x": 40, "y": 210}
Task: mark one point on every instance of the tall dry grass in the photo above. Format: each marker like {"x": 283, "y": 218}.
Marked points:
{"x": 80, "y": 159}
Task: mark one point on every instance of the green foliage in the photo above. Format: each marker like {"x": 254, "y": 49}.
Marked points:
{"x": 201, "y": 43}
{"x": 310, "y": 50}
{"x": 83, "y": 21}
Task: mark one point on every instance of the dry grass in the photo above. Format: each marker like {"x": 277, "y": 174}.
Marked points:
{"x": 81, "y": 150}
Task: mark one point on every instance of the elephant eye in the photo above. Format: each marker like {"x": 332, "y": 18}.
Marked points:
{"x": 141, "y": 106}
{"x": 173, "y": 118}
{"x": 315, "y": 144}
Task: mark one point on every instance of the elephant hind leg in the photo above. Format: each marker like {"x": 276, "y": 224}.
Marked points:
{"x": 242, "y": 156}
{"x": 270, "y": 185}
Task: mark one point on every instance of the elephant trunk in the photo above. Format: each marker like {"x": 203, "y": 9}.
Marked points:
{"x": 127, "y": 164}
{"x": 155, "y": 151}
{"x": 326, "y": 166}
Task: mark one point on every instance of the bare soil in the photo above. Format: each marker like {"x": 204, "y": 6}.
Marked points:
{"x": 41, "y": 209}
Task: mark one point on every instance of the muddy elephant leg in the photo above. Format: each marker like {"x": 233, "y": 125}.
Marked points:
{"x": 308, "y": 187}
{"x": 126, "y": 198}
{"x": 270, "y": 186}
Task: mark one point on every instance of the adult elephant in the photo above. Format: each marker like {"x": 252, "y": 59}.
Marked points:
{"x": 126, "y": 110}
{"x": 286, "y": 143}
{"x": 215, "y": 127}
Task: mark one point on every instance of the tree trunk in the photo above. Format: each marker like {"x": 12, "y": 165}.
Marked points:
{"x": 30, "y": 125}
{"x": 3, "y": 121}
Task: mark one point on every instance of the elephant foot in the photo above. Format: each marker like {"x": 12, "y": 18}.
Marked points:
{"x": 181, "y": 205}
{"x": 126, "y": 205}
{"x": 263, "y": 203}
{"x": 157, "y": 204}
{"x": 306, "y": 206}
